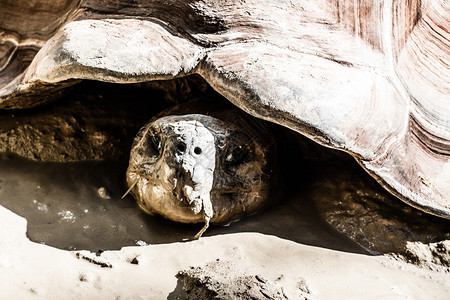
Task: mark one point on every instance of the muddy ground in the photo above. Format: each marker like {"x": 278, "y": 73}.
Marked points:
{"x": 332, "y": 231}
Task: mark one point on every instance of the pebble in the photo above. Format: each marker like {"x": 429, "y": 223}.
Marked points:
{"x": 104, "y": 193}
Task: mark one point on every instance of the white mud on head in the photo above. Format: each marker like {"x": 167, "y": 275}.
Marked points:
{"x": 196, "y": 156}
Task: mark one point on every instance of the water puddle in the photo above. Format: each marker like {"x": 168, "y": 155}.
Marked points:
{"x": 78, "y": 206}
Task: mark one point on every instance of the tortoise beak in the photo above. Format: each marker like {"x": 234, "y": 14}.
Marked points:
{"x": 182, "y": 179}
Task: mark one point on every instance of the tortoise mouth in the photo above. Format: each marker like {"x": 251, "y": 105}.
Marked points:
{"x": 182, "y": 181}
{"x": 176, "y": 184}
{"x": 180, "y": 194}
{"x": 173, "y": 202}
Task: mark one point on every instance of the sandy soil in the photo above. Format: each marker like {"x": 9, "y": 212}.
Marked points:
{"x": 31, "y": 270}
{"x": 288, "y": 245}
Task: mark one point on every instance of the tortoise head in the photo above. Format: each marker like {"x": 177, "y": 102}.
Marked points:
{"x": 197, "y": 168}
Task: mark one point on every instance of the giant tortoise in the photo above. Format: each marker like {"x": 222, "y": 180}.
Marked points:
{"x": 370, "y": 78}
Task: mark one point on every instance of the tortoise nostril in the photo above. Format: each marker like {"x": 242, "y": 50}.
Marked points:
{"x": 198, "y": 150}
{"x": 181, "y": 147}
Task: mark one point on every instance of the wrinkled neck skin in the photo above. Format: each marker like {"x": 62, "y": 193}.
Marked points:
{"x": 176, "y": 170}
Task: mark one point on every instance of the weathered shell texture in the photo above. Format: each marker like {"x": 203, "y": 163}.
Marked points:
{"x": 368, "y": 77}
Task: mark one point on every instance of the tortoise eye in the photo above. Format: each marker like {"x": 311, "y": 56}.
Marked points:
{"x": 237, "y": 155}
{"x": 181, "y": 147}
{"x": 153, "y": 143}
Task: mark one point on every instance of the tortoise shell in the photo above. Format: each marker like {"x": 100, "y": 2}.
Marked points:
{"x": 370, "y": 78}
